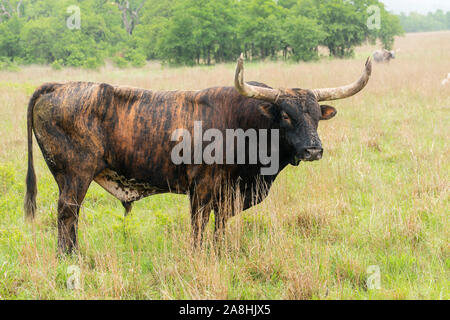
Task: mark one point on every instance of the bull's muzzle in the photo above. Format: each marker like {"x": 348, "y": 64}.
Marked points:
{"x": 311, "y": 154}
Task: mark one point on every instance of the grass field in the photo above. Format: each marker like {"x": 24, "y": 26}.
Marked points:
{"x": 380, "y": 197}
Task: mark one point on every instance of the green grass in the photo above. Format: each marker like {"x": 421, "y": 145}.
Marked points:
{"x": 379, "y": 197}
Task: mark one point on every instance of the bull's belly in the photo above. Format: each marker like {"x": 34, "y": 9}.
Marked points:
{"x": 124, "y": 189}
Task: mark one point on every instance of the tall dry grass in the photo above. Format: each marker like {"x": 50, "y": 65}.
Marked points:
{"x": 379, "y": 197}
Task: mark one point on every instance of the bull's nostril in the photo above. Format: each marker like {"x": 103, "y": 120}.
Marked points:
{"x": 313, "y": 154}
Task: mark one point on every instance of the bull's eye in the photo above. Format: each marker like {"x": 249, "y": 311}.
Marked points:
{"x": 285, "y": 116}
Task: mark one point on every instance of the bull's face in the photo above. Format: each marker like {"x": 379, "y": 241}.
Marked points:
{"x": 298, "y": 111}
{"x": 298, "y": 116}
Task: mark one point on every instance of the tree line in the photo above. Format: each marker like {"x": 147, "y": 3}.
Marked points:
{"x": 185, "y": 32}
{"x": 433, "y": 21}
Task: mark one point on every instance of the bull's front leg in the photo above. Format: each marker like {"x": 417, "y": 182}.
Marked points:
{"x": 231, "y": 203}
{"x": 223, "y": 211}
{"x": 200, "y": 211}
{"x": 220, "y": 224}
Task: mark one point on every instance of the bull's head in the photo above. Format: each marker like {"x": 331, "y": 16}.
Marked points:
{"x": 298, "y": 112}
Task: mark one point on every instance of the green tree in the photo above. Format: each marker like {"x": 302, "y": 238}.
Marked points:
{"x": 10, "y": 45}
{"x": 261, "y": 28}
{"x": 390, "y": 27}
{"x": 303, "y": 35}
{"x": 176, "y": 43}
{"x": 344, "y": 26}
{"x": 199, "y": 31}
{"x": 154, "y": 20}
{"x": 192, "y": 31}
{"x": 225, "y": 20}
{"x": 38, "y": 38}
{"x": 130, "y": 12}
{"x": 415, "y": 22}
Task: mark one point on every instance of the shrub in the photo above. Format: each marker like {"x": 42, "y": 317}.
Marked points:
{"x": 120, "y": 62}
{"x": 92, "y": 63}
{"x": 136, "y": 58}
{"x": 8, "y": 65}
{"x": 57, "y": 65}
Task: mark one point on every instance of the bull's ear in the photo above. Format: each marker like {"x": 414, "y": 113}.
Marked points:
{"x": 328, "y": 112}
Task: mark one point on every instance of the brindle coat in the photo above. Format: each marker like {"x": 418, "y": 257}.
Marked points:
{"x": 121, "y": 138}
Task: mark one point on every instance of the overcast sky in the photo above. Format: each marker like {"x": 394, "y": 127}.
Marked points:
{"x": 422, "y": 6}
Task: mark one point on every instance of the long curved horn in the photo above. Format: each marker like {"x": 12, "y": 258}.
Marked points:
{"x": 250, "y": 91}
{"x": 345, "y": 91}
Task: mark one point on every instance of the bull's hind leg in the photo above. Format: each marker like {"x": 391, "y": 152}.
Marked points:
{"x": 72, "y": 190}
{"x": 71, "y": 142}
{"x": 73, "y": 177}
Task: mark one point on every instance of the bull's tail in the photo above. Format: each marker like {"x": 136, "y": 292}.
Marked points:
{"x": 30, "y": 197}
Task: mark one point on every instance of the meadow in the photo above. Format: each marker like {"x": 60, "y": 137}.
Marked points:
{"x": 379, "y": 197}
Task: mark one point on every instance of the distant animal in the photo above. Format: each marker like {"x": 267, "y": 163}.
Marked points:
{"x": 120, "y": 138}
{"x": 383, "y": 56}
{"x": 446, "y": 80}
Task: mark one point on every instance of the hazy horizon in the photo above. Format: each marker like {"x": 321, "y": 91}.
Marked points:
{"x": 420, "y": 6}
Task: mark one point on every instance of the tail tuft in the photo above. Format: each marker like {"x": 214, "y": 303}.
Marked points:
{"x": 30, "y": 197}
